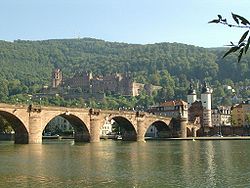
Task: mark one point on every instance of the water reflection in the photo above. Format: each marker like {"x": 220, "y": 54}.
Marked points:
{"x": 211, "y": 166}
{"x": 126, "y": 164}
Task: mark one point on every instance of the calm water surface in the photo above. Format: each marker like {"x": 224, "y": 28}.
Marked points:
{"x": 126, "y": 164}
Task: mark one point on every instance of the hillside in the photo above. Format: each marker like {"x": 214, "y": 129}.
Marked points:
{"x": 27, "y": 65}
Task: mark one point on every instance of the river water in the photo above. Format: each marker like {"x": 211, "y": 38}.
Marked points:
{"x": 110, "y": 163}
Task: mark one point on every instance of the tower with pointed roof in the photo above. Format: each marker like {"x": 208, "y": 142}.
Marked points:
{"x": 191, "y": 96}
{"x": 206, "y": 99}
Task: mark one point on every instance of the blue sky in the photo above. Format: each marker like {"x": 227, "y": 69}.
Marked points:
{"x": 130, "y": 21}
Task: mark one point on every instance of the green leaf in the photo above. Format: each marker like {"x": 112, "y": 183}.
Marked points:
{"x": 235, "y": 18}
{"x": 224, "y": 20}
{"x": 243, "y": 37}
{"x": 243, "y": 20}
{"x": 214, "y": 21}
{"x": 242, "y": 45}
{"x": 247, "y": 45}
{"x": 233, "y": 49}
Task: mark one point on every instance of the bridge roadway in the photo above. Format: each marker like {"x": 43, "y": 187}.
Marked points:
{"x": 29, "y": 122}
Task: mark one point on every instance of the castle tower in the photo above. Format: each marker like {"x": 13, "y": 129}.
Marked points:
{"x": 206, "y": 99}
{"x": 191, "y": 97}
{"x": 56, "y": 78}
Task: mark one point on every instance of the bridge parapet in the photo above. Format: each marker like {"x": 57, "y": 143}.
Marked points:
{"x": 32, "y": 108}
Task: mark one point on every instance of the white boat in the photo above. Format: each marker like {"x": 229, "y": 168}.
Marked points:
{"x": 118, "y": 137}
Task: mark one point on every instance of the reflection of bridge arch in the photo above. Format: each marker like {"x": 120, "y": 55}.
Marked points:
{"x": 21, "y": 131}
{"x": 128, "y": 129}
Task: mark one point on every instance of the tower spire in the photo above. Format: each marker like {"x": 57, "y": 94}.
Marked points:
{"x": 206, "y": 99}
{"x": 191, "y": 95}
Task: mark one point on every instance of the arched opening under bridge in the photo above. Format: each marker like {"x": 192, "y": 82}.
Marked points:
{"x": 67, "y": 126}
{"x": 14, "y": 127}
{"x": 158, "y": 129}
{"x": 124, "y": 129}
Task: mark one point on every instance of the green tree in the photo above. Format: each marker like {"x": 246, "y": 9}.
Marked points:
{"x": 247, "y": 118}
{"x": 5, "y": 126}
{"x": 4, "y": 92}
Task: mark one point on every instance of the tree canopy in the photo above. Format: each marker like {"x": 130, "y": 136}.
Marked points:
{"x": 26, "y": 66}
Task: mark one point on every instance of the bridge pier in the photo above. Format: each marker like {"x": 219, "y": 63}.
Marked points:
{"x": 81, "y": 137}
{"x": 21, "y": 138}
{"x": 95, "y": 125}
{"x": 183, "y": 125}
{"x": 140, "y": 127}
{"x": 140, "y": 131}
{"x": 35, "y": 128}
{"x": 194, "y": 131}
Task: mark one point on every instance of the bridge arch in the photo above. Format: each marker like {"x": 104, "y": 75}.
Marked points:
{"x": 189, "y": 131}
{"x": 158, "y": 128}
{"x": 21, "y": 130}
{"x": 80, "y": 126}
{"x": 126, "y": 128}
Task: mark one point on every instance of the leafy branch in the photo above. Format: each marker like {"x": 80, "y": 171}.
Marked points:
{"x": 243, "y": 43}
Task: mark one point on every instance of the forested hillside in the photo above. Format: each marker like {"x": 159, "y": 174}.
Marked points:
{"x": 27, "y": 65}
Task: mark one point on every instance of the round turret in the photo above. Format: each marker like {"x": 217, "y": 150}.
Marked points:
{"x": 206, "y": 99}
{"x": 205, "y": 89}
{"x": 191, "y": 90}
{"x": 191, "y": 97}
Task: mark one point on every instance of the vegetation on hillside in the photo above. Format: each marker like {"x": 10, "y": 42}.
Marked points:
{"x": 26, "y": 67}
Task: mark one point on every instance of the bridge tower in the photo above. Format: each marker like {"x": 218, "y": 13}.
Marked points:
{"x": 191, "y": 97}
{"x": 206, "y": 99}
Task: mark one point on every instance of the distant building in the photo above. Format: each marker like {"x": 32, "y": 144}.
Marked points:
{"x": 221, "y": 116}
{"x": 241, "y": 114}
{"x": 175, "y": 108}
{"x": 107, "y": 127}
{"x": 56, "y": 78}
{"x": 79, "y": 80}
{"x": 85, "y": 84}
{"x": 58, "y": 124}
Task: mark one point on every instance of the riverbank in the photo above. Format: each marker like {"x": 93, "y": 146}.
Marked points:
{"x": 204, "y": 138}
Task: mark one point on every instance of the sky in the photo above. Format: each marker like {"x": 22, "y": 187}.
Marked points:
{"x": 129, "y": 21}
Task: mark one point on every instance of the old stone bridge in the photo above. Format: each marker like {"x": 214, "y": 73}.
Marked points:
{"x": 30, "y": 121}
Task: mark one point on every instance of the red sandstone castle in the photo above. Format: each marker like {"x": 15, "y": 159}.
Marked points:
{"x": 118, "y": 84}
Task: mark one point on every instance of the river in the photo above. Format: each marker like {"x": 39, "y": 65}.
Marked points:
{"x": 62, "y": 163}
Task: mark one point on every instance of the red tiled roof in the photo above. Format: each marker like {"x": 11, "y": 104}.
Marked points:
{"x": 173, "y": 103}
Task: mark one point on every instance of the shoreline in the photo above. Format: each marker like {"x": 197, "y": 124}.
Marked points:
{"x": 204, "y": 138}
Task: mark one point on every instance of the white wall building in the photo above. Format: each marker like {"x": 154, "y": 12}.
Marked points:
{"x": 107, "y": 127}
{"x": 221, "y": 116}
